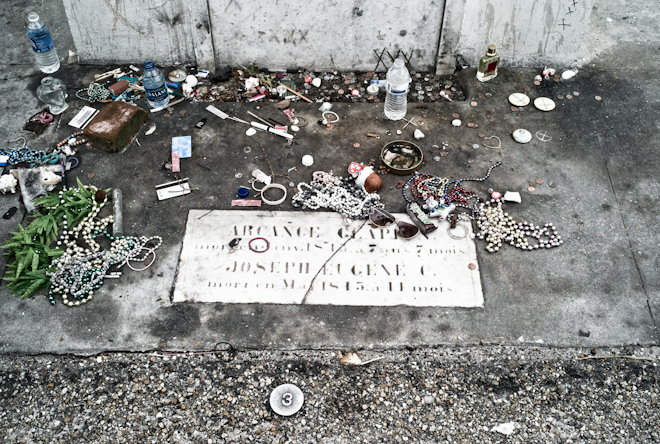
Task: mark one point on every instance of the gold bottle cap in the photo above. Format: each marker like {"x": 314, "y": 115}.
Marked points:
{"x": 491, "y": 50}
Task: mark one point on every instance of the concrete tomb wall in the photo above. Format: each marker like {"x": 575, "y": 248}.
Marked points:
{"x": 336, "y": 34}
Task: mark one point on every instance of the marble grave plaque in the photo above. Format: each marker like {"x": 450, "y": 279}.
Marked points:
{"x": 311, "y": 258}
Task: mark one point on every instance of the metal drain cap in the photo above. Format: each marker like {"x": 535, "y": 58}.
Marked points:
{"x": 286, "y": 399}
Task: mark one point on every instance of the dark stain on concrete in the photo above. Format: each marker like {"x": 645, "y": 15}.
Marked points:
{"x": 92, "y": 322}
{"x": 442, "y": 328}
{"x": 179, "y": 321}
{"x": 163, "y": 18}
{"x": 238, "y": 324}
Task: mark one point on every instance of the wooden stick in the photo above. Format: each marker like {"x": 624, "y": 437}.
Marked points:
{"x": 296, "y": 93}
{"x": 259, "y": 118}
{"x": 135, "y": 85}
{"x": 107, "y": 74}
{"x": 155, "y": 110}
{"x": 372, "y": 360}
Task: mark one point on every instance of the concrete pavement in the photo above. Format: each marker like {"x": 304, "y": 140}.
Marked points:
{"x": 599, "y": 288}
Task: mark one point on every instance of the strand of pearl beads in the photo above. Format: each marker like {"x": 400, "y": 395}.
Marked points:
{"x": 78, "y": 270}
{"x": 81, "y": 273}
{"x": 337, "y": 194}
{"x": 497, "y": 228}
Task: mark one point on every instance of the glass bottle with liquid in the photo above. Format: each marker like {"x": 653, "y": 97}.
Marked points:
{"x": 488, "y": 65}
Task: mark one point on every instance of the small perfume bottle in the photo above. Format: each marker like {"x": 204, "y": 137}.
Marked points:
{"x": 488, "y": 65}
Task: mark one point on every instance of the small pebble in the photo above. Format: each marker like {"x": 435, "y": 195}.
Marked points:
{"x": 521, "y": 135}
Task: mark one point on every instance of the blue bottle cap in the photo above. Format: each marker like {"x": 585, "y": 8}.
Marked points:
{"x": 149, "y": 64}
{"x": 243, "y": 192}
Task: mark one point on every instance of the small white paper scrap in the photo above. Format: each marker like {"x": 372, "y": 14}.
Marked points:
{"x": 172, "y": 189}
{"x": 83, "y": 117}
{"x": 183, "y": 145}
{"x": 512, "y": 196}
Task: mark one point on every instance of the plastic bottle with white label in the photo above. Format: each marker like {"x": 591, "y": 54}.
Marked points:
{"x": 398, "y": 81}
{"x": 42, "y": 44}
{"x": 154, "y": 85}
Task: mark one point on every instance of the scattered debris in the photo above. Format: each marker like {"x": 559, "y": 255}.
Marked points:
{"x": 351, "y": 358}
{"x": 505, "y": 429}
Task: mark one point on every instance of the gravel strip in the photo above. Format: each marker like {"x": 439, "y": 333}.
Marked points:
{"x": 474, "y": 394}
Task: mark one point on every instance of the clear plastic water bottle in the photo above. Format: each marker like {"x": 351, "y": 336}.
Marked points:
{"x": 154, "y": 85}
{"x": 398, "y": 82}
{"x": 42, "y": 44}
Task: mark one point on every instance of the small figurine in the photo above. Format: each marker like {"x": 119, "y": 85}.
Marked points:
{"x": 365, "y": 177}
{"x": 441, "y": 212}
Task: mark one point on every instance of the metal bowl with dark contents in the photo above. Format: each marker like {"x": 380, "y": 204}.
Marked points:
{"x": 402, "y": 157}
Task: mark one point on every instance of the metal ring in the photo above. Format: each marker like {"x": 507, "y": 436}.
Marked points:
{"x": 453, "y": 236}
{"x": 301, "y": 124}
{"x": 258, "y": 238}
{"x": 332, "y": 113}
{"x": 273, "y": 202}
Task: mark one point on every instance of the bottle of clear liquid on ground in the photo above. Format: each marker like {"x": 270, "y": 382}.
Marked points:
{"x": 42, "y": 44}
{"x": 488, "y": 65}
{"x": 154, "y": 85}
{"x": 398, "y": 81}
